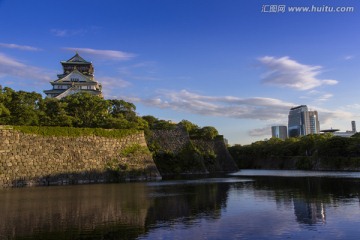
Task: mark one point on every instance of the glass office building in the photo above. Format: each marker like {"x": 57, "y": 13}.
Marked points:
{"x": 302, "y": 121}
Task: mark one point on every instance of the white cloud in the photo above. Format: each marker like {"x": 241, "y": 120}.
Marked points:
{"x": 270, "y": 110}
{"x": 325, "y": 97}
{"x": 349, "y": 57}
{"x": 355, "y": 106}
{"x": 226, "y": 106}
{"x": 326, "y": 118}
{"x": 14, "y": 68}
{"x": 326, "y": 115}
{"x": 107, "y": 54}
{"x": 285, "y": 72}
{"x": 112, "y": 82}
{"x": 140, "y": 71}
{"x": 317, "y": 96}
{"x": 19, "y": 47}
{"x": 259, "y": 132}
{"x": 67, "y": 32}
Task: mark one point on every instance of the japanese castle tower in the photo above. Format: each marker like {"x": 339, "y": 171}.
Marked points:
{"x": 78, "y": 76}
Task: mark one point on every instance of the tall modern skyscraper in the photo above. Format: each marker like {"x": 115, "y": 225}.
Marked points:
{"x": 303, "y": 122}
{"x": 353, "y": 126}
{"x": 279, "y": 132}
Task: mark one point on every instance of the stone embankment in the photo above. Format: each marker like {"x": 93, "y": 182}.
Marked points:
{"x": 176, "y": 153}
{"x": 29, "y": 159}
{"x": 216, "y": 155}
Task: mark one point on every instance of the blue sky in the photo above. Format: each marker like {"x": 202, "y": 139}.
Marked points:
{"x": 221, "y": 63}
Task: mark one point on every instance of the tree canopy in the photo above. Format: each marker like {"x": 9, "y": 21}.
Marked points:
{"x": 83, "y": 110}
{"x": 78, "y": 110}
{"x": 319, "y": 146}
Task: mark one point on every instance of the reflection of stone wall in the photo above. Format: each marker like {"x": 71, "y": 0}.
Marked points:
{"x": 33, "y": 159}
{"x": 205, "y": 200}
{"x": 66, "y": 212}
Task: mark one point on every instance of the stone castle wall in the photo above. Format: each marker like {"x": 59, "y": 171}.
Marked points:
{"x": 172, "y": 140}
{"x": 216, "y": 155}
{"x": 208, "y": 156}
{"x": 29, "y": 159}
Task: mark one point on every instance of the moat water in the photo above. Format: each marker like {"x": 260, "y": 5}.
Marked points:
{"x": 250, "y": 204}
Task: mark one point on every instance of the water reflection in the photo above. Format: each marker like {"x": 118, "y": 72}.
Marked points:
{"x": 310, "y": 195}
{"x": 187, "y": 202}
{"x": 309, "y": 213}
{"x": 252, "y": 207}
{"x": 72, "y": 211}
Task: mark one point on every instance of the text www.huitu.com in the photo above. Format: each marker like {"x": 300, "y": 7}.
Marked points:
{"x": 306, "y": 9}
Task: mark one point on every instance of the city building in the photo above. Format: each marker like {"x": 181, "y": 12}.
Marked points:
{"x": 353, "y": 126}
{"x": 77, "y": 76}
{"x": 302, "y": 121}
{"x": 347, "y": 133}
{"x": 279, "y": 132}
{"x": 344, "y": 134}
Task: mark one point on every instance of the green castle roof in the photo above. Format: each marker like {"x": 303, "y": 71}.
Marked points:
{"x": 76, "y": 60}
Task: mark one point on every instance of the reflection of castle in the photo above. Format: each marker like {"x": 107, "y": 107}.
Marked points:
{"x": 309, "y": 212}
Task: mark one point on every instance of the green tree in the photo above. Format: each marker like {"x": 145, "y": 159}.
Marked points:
{"x": 151, "y": 120}
{"x": 55, "y": 113}
{"x": 4, "y": 112}
{"x": 87, "y": 110}
{"x": 154, "y": 123}
{"x": 23, "y": 107}
{"x": 189, "y": 126}
{"x": 208, "y": 132}
{"x": 119, "y": 108}
{"x": 335, "y": 146}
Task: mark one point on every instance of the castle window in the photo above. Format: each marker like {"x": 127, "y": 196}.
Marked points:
{"x": 74, "y": 79}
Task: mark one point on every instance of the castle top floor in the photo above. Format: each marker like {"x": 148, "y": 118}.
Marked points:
{"x": 78, "y": 63}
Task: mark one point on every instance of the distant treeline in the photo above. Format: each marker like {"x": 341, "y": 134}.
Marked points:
{"x": 83, "y": 110}
{"x": 325, "y": 150}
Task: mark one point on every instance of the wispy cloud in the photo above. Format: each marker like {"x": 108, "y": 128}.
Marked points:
{"x": 326, "y": 118}
{"x": 226, "y": 106}
{"x": 349, "y": 57}
{"x": 19, "y": 47}
{"x": 270, "y": 110}
{"x": 106, "y": 54}
{"x": 325, "y": 97}
{"x": 140, "y": 71}
{"x": 259, "y": 132}
{"x": 355, "y": 106}
{"x": 285, "y": 72}
{"x": 67, "y": 32}
{"x": 111, "y": 84}
{"x": 317, "y": 96}
{"x": 14, "y": 68}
